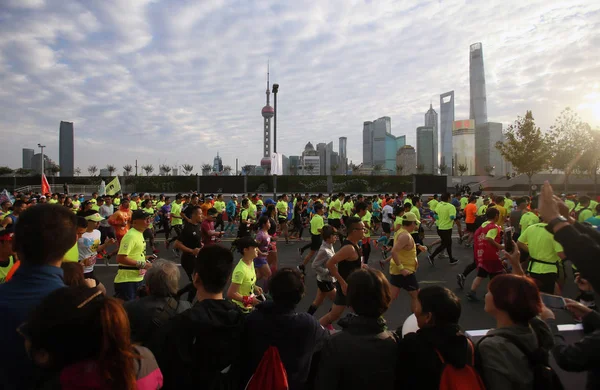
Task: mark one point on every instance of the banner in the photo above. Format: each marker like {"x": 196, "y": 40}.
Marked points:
{"x": 102, "y": 189}
{"x": 113, "y": 187}
{"x": 45, "y": 185}
{"x": 5, "y": 196}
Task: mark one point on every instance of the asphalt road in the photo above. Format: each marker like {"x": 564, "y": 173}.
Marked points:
{"x": 473, "y": 316}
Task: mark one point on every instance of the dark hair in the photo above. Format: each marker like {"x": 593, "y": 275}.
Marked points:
{"x": 244, "y": 201}
{"x": 213, "y": 266}
{"x": 499, "y": 199}
{"x": 327, "y": 232}
{"x": 492, "y": 213}
{"x": 368, "y": 292}
{"x": 45, "y": 233}
{"x": 445, "y": 197}
{"x": 81, "y": 221}
{"x": 147, "y": 201}
{"x": 73, "y": 273}
{"x": 582, "y": 200}
{"x": 352, "y": 221}
{"x": 318, "y": 206}
{"x": 100, "y": 320}
{"x": 416, "y": 199}
{"x": 286, "y": 287}
{"x": 360, "y": 206}
{"x": 472, "y": 198}
{"x": 442, "y": 303}
{"x": 518, "y": 296}
{"x": 262, "y": 221}
{"x": 407, "y": 206}
{"x": 522, "y": 200}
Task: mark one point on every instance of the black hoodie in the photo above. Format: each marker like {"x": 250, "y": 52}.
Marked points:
{"x": 201, "y": 347}
{"x": 419, "y": 366}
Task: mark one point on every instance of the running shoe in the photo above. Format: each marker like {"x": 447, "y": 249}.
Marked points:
{"x": 176, "y": 253}
{"x": 431, "y": 260}
{"x": 302, "y": 269}
{"x": 330, "y": 328}
{"x": 472, "y": 297}
{"x": 453, "y": 261}
{"x": 300, "y": 252}
{"x": 460, "y": 279}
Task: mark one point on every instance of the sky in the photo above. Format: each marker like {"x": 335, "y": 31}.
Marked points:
{"x": 174, "y": 82}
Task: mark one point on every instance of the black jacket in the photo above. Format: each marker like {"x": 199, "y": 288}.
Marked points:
{"x": 582, "y": 246}
{"x": 201, "y": 347}
{"x": 296, "y": 335}
{"x": 583, "y": 355}
{"x": 362, "y": 356}
{"x": 419, "y": 366}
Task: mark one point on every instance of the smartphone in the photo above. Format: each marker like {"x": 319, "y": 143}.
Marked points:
{"x": 508, "y": 242}
{"x": 553, "y": 301}
{"x": 261, "y": 297}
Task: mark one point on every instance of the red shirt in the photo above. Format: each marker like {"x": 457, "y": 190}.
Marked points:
{"x": 205, "y": 228}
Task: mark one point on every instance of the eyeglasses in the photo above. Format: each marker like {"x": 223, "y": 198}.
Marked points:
{"x": 363, "y": 229}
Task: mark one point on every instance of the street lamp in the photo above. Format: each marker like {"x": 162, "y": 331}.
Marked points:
{"x": 42, "y": 157}
{"x": 275, "y": 90}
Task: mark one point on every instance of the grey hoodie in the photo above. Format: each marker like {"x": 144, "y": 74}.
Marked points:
{"x": 319, "y": 264}
{"x": 504, "y": 366}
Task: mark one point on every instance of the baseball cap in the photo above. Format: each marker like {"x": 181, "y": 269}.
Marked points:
{"x": 234, "y": 196}
{"x": 269, "y": 201}
{"x": 43, "y": 197}
{"x": 139, "y": 214}
{"x": 408, "y": 216}
{"x": 247, "y": 242}
{"x": 134, "y": 195}
{"x": 95, "y": 217}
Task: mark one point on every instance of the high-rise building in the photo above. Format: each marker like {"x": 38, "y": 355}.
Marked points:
{"x": 406, "y": 160}
{"x": 425, "y": 151}
{"x": 488, "y": 159}
{"x": 368, "y": 144}
{"x": 463, "y": 134}
{"x": 295, "y": 164}
{"x": 267, "y": 113}
{"x": 343, "y": 165}
{"x": 218, "y": 164}
{"x": 66, "y": 149}
{"x": 27, "y": 156}
{"x": 36, "y": 163}
{"x": 446, "y": 121}
{"x": 311, "y": 161}
{"x": 400, "y": 141}
{"x": 478, "y": 109}
{"x": 379, "y": 145}
{"x": 431, "y": 120}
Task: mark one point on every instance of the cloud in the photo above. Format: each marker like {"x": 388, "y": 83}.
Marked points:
{"x": 178, "y": 81}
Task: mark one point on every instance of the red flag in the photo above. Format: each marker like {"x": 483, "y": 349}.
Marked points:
{"x": 45, "y": 185}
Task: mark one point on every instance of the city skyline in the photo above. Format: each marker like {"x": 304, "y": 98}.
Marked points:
{"x": 139, "y": 87}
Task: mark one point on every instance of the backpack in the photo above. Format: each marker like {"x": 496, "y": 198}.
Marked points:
{"x": 465, "y": 378}
{"x": 270, "y": 373}
{"x": 544, "y": 377}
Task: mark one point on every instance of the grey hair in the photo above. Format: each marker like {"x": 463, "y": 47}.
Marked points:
{"x": 162, "y": 279}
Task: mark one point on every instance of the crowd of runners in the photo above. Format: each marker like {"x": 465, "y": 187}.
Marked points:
{"x": 235, "y": 324}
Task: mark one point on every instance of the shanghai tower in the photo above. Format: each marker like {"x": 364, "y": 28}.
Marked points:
{"x": 478, "y": 110}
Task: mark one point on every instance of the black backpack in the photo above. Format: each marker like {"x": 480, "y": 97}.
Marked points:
{"x": 544, "y": 377}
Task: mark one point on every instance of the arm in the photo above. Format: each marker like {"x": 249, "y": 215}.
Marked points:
{"x": 343, "y": 254}
{"x": 522, "y": 246}
{"x": 179, "y": 245}
{"x": 494, "y": 243}
{"x": 106, "y": 243}
{"x": 129, "y": 262}
{"x": 233, "y": 293}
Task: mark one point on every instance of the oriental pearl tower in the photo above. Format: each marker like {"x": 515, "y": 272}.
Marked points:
{"x": 267, "y": 113}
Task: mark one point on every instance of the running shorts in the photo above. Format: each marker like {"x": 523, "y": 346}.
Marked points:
{"x": 409, "y": 282}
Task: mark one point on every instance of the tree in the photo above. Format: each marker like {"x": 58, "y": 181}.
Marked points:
{"x": 420, "y": 168}
{"x": 111, "y": 169}
{"x": 377, "y": 168}
{"x": 127, "y": 168}
{"x": 227, "y": 170}
{"x": 462, "y": 168}
{"x": 526, "y": 148}
{"x": 164, "y": 170}
{"x": 92, "y": 169}
{"x": 443, "y": 168}
{"x": 569, "y": 136}
{"x": 248, "y": 169}
{"x": 310, "y": 168}
{"x": 187, "y": 168}
{"x": 53, "y": 169}
{"x": 489, "y": 169}
{"x": 399, "y": 169}
{"x": 590, "y": 159}
{"x": 206, "y": 168}
{"x": 78, "y": 171}
{"x": 22, "y": 171}
{"x": 5, "y": 171}
{"x": 148, "y": 169}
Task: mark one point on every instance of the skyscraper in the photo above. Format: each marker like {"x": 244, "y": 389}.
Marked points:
{"x": 425, "y": 151}
{"x": 463, "y": 143}
{"x": 379, "y": 145}
{"x": 267, "y": 113}
{"x": 431, "y": 120}
{"x": 343, "y": 166}
{"x": 406, "y": 161}
{"x": 27, "y": 156}
{"x": 66, "y": 150}
{"x": 478, "y": 111}
{"x": 217, "y": 164}
{"x": 446, "y": 121}
{"x": 487, "y": 157}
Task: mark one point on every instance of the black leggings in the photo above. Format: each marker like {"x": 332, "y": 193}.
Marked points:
{"x": 219, "y": 222}
{"x": 178, "y": 229}
{"x": 446, "y": 237}
{"x": 470, "y": 268}
{"x": 366, "y": 251}
{"x": 187, "y": 263}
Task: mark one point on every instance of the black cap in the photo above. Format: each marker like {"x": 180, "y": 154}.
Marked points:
{"x": 139, "y": 214}
{"x": 247, "y": 242}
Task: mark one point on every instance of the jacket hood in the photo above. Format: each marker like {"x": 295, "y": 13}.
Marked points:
{"x": 355, "y": 324}
{"x": 537, "y": 334}
{"x": 217, "y": 314}
{"x": 450, "y": 342}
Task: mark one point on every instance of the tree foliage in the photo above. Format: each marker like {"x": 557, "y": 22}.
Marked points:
{"x": 148, "y": 169}
{"x": 187, "y": 168}
{"x": 462, "y": 168}
{"x": 5, "y": 171}
{"x": 128, "y": 168}
{"x": 443, "y": 168}
{"x": 111, "y": 169}
{"x": 92, "y": 169}
{"x": 164, "y": 170}
{"x": 78, "y": 171}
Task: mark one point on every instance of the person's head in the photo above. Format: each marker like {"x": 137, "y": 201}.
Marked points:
{"x": 212, "y": 268}
{"x": 514, "y": 297}
{"x": 584, "y": 200}
{"x": 6, "y": 205}
{"x": 18, "y": 207}
{"x": 100, "y": 201}
{"x": 178, "y": 198}
{"x": 361, "y": 208}
{"x": 416, "y": 201}
{"x": 597, "y": 209}
{"x": 82, "y": 225}
{"x": 6, "y": 243}
{"x": 162, "y": 280}
{"x": 472, "y": 199}
{"x": 73, "y": 273}
{"x": 407, "y": 207}
{"x": 147, "y": 204}
{"x": 108, "y": 200}
{"x": 329, "y": 235}
{"x": 286, "y": 287}
{"x": 355, "y": 229}
{"x": 94, "y": 195}
{"x": 68, "y": 201}
{"x": 245, "y": 203}
{"x": 125, "y": 204}
{"x": 445, "y": 197}
{"x": 248, "y": 247}
{"x": 500, "y": 201}
{"x": 168, "y": 200}
{"x": 522, "y": 203}
{"x": 44, "y": 234}
{"x": 319, "y": 208}
{"x": 93, "y": 219}
{"x": 369, "y": 292}
{"x": 211, "y": 214}
{"x": 196, "y": 216}
{"x": 263, "y": 223}
{"x": 140, "y": 220}
{"x": 435, "y": 196}
{"x": 410, "y": 222}
{"x": 52, "y": 341}
{"x": 437, "y": 306}
{"x": 271, "y": 210}
{"x": 492, "y": 214}
{"x": 208, "y": 200}
{"x": 486, "y": 201}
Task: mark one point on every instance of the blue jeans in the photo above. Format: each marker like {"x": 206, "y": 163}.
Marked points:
{"x": 127, "y": 291}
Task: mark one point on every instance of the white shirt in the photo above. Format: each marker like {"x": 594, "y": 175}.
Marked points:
{"x": 387, "y": 209}
{"x": 106, "y": 211}
{"x": 88, "y": 247}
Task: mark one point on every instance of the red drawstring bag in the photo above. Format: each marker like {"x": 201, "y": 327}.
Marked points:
{"x": 270, "y": 373}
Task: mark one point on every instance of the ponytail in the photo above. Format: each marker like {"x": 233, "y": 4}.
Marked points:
{"x": 117, "y": 354}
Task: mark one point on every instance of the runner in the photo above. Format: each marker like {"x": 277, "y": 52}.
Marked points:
{"x": 176, "y": 221}
{"x": 220, "y": 207}
{"x": 246, "y": 219}
{"x": 120, "y": 220}
{"x": 231, "y": 210}
{"x": 243, "y": 289}
{"x": 149, "y": 233}
{"x": 89, "y": 246}
{"x": 189, "y": 243}
{"x": 341, "y": 265}
{"x": 209, "y": 233}
{"x": 316, "y": 224}
{"x": 7, "y": 255}
{"x": 12, "y": 218}
{"x": 282, "y": 216}
{"x": 365, "y": 216}
{"x": 446, "y": 214}
{"x": 263, "y": 271}
{"x": 325, "y": 282}
{"x": 470, "y": 216}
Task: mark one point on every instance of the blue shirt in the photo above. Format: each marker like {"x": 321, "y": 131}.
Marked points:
{"x": 28, "y": 286}
{"x": 230, "y": 208}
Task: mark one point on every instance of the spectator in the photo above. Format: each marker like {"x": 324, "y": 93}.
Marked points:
{"x": 514, "y": 302}
{"x": 276, "y": 323}
{"x": 105, "y": 359}
{"x": 41, "y": 238}
{"x": 363, "y": 355}
{"x": 73, "y": 276}
{"x": 148, "y": 314}
{"x": 200, "y": 348}
{"x": 419, "y": 366}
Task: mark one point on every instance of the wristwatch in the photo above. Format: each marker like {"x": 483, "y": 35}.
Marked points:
{"x": 554, "y": 222}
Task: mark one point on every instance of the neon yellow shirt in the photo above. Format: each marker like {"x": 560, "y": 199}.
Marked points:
{"x": 244, "y": 275}
{"x": 220, "y": 206}
{"x": 133, "y": 246}
{"x": 176, "y": 212}
{"x": 528, "y": 219}
{"x": 408, "y": 258}
{"x": 282, "y": 209}
{"x": 445, "y": 211}
{"x": 336, "y": 204}
{"x": 542, "y": 247}
{"x": 72, "y": 254}
{"x": 316, "y": 223}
